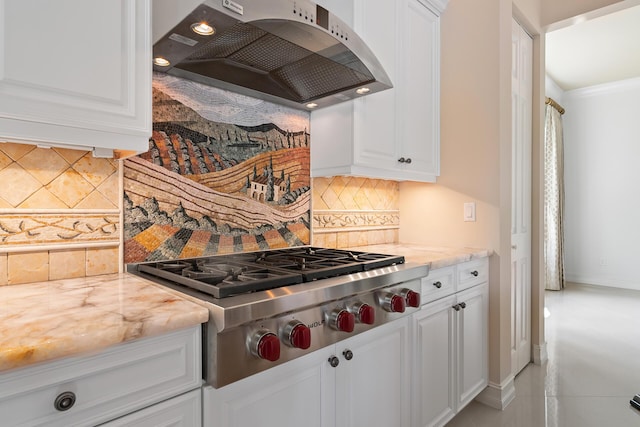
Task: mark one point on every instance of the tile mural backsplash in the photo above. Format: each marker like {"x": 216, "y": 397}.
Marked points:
{"x": 59, "y": 214}
{"x": 354, "y": 211}
{"x": 224, "y": 173}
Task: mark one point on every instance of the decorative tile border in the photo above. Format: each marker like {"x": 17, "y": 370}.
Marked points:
{"x": 331, "y": 221}
{"x": 47, "y": 228}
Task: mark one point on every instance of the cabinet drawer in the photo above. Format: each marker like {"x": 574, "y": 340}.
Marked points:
{"x": 106, "y": 385}
{"x": 181, "y": 411}
{"x": 438, "y": 284}
{"x": 472, "y": 273}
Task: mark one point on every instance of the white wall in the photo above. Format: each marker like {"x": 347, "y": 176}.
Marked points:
{"x": 602, "y": 177}
{"x": 552, "y": 90}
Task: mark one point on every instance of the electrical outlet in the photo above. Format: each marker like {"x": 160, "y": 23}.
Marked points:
{"x": 470, "y": 211}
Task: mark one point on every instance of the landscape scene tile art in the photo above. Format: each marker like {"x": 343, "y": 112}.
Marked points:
{"x": 224, "y": 173}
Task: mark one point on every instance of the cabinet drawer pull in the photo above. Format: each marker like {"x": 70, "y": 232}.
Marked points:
{"x": 348, "y": 354}
{"x": 65, "y": 401}
{"x": 474, "y": 273}
{"x": 437, "y": 284}
{"x": 456, "y": 307}
{"x": 334, "y": 361}
{"x": 463, "y": 305}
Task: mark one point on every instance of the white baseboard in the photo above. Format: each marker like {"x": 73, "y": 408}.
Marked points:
{"x": 540, "y": 355}
{"x": 498, "y": 396}
{"x": 598, "y": 281}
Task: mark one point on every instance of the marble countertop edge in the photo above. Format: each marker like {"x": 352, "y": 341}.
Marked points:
{"x": 433, "y": 256}
{"x": 45, "y": 321}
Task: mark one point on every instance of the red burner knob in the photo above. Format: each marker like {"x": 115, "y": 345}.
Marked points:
{"x": 266, "y": 346}
{"x": 393, "y": 303}
{"x": 412, "y": 298}
{"x": 297, "y": 334}
{"x": 342, "y": 320}
{"x": 365, "y": 313}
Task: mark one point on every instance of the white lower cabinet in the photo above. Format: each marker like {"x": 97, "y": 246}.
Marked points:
{"x": 434, "y": 395}
{"x": 92, "y": 390}
{"x": 370, "y": 387}
{"x": 451, "y": 354}
{"x": 472, "y": 324}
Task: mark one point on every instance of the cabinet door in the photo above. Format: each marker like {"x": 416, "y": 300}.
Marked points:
{"x": 434, "y": 381}
{"x": 373, "y": 388}
{"x": 76, "y": 73}
{"x": 472, "y": 341}
{"x": 294, "y": 394}
{"x": 374, "y": 129}
{"x": 418, "y": 117}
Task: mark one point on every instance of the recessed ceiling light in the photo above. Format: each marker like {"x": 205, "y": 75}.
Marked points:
{"x": 312, "y": 105}
{"x": 362, "y": 90}
{"x": 160, "y": 61}
{"x": 202, "y": 28}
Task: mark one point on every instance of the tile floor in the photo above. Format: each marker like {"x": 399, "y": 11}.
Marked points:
{"x": 593, "y": 339}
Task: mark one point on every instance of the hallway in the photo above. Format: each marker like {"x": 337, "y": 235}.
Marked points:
{"x": 593, "y": 343}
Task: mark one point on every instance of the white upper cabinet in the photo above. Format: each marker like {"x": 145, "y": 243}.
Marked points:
{"x": 394, "y": 134}
{"x": 76, "y": 73}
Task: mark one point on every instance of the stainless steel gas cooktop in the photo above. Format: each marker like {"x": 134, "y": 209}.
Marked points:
{"x": 270, "y": 307}
{"x": 227, "y": 275}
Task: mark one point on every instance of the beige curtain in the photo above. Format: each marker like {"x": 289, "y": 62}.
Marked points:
{"x": 553, "y": 197}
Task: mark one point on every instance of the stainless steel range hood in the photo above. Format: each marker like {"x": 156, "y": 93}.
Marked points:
{"x": 290, "y": 52}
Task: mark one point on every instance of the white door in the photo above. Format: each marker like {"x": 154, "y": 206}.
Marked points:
{"x": 472, "y": 334}
{"x": 521, "y": 91}
{"x": 419, "y": 122}
{"x": 435, "y": 363}
{"x": 297, "y": 393}
{"x": 372, "y": 380}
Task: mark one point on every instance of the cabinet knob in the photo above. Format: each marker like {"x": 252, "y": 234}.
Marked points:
{"x": 402, "y": 160}
{"x": 437, "y": 284}
{"x": 65, "y": 401}
{"x": 334, "y": 361}
{"x": 456, "y": 307}
{"x": 474, "y": 273}
{"x": 348, "y": 354}
{"x": 463, "y": 305}
{"x": 408, "y": 160}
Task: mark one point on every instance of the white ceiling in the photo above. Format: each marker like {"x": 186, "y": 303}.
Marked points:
{"x": 599, "y": 50}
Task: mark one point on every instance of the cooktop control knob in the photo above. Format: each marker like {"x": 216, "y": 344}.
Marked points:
{"x": 412, "y": 298}
{"x": 342, "y": 320}
{"x": 265, "y": 345}
{"x": 364, "y": 313}
{"x": 392, "y": 303}
{"x": 296, "y": 334}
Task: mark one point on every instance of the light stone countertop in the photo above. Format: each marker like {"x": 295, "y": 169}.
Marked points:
{"x": 49, "y": 320}
{"x": 435, "y": 257}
